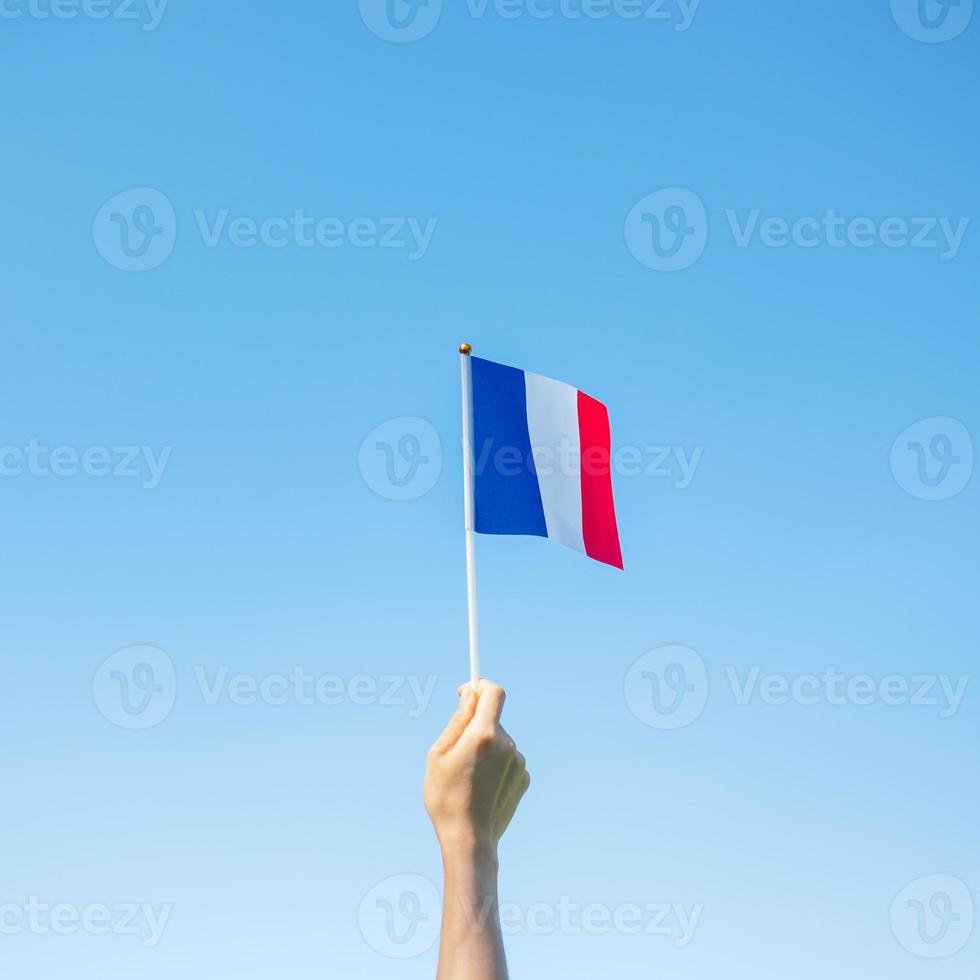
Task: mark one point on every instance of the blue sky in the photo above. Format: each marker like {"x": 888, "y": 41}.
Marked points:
{"x": 237, "y": 241}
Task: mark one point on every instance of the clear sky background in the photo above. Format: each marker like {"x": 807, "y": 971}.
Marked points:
{"x": 272, "y": 831}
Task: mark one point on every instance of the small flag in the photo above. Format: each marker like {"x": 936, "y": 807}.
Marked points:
{"x": 541, "y": 461}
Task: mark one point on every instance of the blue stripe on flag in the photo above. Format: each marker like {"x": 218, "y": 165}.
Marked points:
{"x": 507, "y": 495}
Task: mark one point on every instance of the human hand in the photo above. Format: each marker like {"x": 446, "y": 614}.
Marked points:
{"x": 475, "y": 776}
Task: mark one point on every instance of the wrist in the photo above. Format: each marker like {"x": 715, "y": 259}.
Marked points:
{"x": 468, "y": 851}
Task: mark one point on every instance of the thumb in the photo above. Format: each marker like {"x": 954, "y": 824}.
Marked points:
{"x": 458, "y": 722}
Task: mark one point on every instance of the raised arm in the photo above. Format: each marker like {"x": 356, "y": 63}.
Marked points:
{"x": 474, "y": 781}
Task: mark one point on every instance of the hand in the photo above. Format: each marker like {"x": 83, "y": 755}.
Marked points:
{"x": 475, "y": 776}
{"x": 474, "y": 781}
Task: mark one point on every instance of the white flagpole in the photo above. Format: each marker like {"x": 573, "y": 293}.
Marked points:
{"x": 466, "y": 376}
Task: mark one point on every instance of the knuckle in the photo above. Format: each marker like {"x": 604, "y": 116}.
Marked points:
{"x": 504, "y": 740}
{"x": 485, "y": 740}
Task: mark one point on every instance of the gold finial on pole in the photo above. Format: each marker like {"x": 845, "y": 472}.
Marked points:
{"x": 465, "y": 349}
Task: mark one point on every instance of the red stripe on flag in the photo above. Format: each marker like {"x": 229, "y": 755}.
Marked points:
{"x": 598, "y": 511}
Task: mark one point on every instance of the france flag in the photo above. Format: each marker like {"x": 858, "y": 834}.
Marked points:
{"x": 541, "y": 461}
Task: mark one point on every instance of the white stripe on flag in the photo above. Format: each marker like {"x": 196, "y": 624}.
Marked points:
{"x": 552, "y": 423}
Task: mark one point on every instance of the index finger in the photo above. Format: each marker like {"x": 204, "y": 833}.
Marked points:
{"x": 490, "y": 703}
